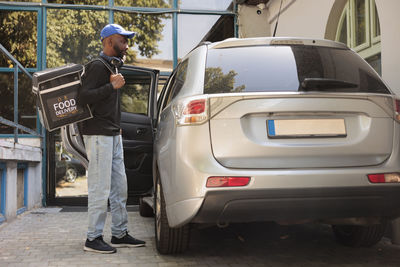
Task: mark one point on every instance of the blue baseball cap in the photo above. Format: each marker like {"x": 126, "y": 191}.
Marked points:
{"x": 111, "y": 29}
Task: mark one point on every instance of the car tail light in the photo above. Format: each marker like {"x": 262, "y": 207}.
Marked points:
{"x": 384, "y": 178}
{"x": 397, "y": 109}
{"x": 191, "y": 111}
{"x": 224, "y": 181}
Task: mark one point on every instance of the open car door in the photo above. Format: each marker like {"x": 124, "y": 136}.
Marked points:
{"x": 138, "y": 106}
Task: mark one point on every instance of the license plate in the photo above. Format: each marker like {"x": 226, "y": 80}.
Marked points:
{"x": 306, "y": 128}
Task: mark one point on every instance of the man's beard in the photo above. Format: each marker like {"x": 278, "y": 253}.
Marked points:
{"x": 119, "y": 52}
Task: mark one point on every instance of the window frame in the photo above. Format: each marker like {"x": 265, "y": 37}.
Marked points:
{"x": 40, "y": 50}
{"x": 374, "y": 37}
{"x": 353, "y": 19}
{"x": 3, "y": 191}
{"x": 24, "y": 167}
{"x": 372, "y": 46}
{"x": 345, "y": 15}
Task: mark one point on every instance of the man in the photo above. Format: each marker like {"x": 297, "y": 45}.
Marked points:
{"x": 103, "y": 142}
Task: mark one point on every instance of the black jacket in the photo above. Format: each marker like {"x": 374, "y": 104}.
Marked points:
{"x": 103, "y": 100}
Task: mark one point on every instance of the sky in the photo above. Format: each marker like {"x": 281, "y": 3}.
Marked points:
{"x": 191, "y": 28}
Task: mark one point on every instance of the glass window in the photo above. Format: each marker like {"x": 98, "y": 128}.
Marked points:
{"x": 284, "y": 68}
{"x": 70, "y": 174}
{"x": 26, "y": 102}
{"x": 152, "y": 45}
{"x": 343, "y": 31}
{"x": 360, "y": 26}
{"x": 375, "y": 62}
{"x": 145, "y": 3}
{"x": 73, "y": 36}
{"x": 23, "y": 0}
{"x": 20, "y": 188}
{"x": 4, "y": 61}
{"x": 6, "y": 100}
{"x": 376, "y": 25}
{"x": 168, "y": 92}
{"x": 135, "y": 93}
{"x": 364, "y": 33}
{"x": 79, "y": 2}
{"x": 193, "y": 29}
{"x": 206, "y": 4}
{"x": 180, "y": 78}
{"x": 18, "y": 34}
{"x": 165, "y": 95}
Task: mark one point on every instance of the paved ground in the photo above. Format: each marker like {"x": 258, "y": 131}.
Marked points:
{"x": 48, "y": 237}
{"x": 77, "y": 188}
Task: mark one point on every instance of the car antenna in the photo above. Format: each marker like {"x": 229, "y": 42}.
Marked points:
{"x": 277, "y": 19}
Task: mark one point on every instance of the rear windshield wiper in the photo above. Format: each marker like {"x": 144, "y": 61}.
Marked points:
{"x": 309, "y": 84}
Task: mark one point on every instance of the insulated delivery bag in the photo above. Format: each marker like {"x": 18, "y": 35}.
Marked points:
{"x": 57, "y": 91}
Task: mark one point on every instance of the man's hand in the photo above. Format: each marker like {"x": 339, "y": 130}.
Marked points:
{"x": 117, "y": 80}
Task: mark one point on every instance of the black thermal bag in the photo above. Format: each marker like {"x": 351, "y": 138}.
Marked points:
{"x": 57, "y": 91}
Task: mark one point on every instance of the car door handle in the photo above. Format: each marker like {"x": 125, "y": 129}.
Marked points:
{"x": 140, "y": 131}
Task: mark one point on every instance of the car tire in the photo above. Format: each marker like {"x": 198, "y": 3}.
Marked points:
{"x": 359, "y": 235}
{"x": 71, "y": 174}
{"x": 145, "y": 210}
{"x": 168, "y": 240}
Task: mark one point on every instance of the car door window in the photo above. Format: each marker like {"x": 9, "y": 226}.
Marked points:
{"x": 161, "y": 97}
{"x": 135, "y": 93}
{"x": 180, "y": 78}
{"x": 168, "y": 91}
{"x": 176, "y": 82}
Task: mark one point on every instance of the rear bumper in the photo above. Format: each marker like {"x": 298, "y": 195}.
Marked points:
{"x": 299, "y": 204}
{"x": 273, "y": 194}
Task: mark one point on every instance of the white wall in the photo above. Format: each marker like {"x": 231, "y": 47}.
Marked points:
{"x": 388, "y": 11}
{"x": 300, "y": 18}
{"x": 252, "y": 23}
{"x": 12, "y": 154}
{"x": 11, "y": 190}
{"x": 35, "y": 142}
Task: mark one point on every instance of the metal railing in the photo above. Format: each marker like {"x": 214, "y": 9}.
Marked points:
{"x": 15, "y": 124}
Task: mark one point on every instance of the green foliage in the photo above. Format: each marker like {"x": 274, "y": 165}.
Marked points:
{"x": 18, "y": 34}
{"x": 134, "y": 98}
{"x": 74, "y": 35}
{"x": 147, "y": 26}
{"x": 215, "y": 81}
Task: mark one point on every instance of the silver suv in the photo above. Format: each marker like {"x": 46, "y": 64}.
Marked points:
{"x": 273, "y": 129}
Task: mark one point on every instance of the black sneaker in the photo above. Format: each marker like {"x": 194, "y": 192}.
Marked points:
{"x": 126, "y": 241}
{"x": 99, "y": 246}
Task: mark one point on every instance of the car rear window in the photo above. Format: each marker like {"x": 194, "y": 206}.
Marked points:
{"x": 287, "y": 69}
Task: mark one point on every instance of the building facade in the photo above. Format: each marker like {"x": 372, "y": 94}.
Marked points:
{"x": 370, "y": 27}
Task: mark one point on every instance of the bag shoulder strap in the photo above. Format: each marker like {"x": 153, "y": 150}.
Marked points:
{"x": 98, "y": 59}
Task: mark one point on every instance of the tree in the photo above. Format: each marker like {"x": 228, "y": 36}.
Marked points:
{"x": 215, "y": 81}
{"x": 134, "y": 98}
{"x": 74, "y": 35}
{"x": 18, "y": 34}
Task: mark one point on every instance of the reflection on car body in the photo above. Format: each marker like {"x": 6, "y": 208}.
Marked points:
{"x": 273, "y": 129}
